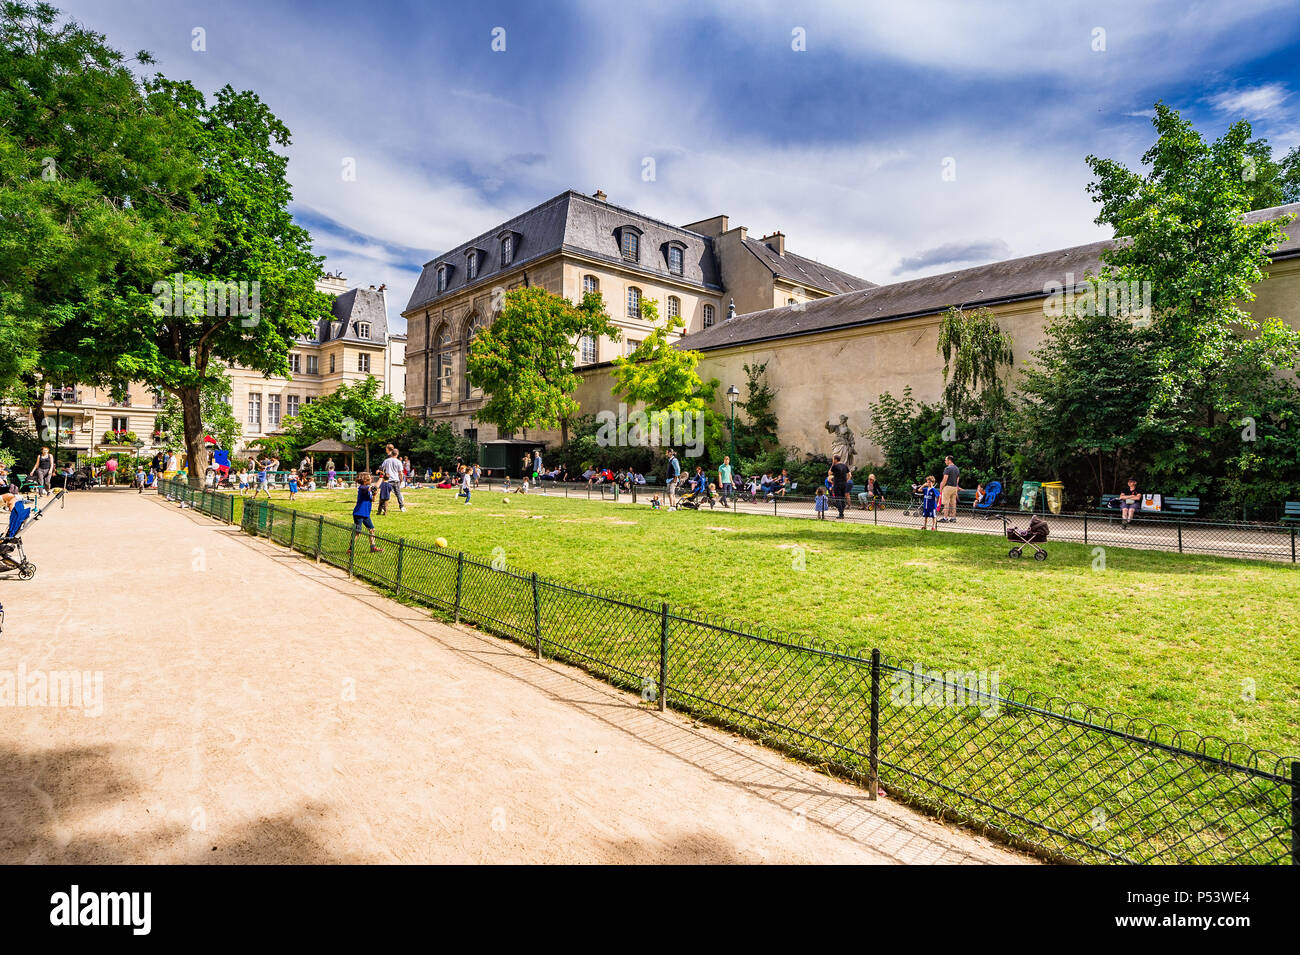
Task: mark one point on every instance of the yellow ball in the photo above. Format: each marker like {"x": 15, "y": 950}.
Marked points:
{"x": 441, "y": 542}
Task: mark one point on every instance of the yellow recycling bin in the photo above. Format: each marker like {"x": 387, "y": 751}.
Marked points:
{"x": 1055, "y": 493}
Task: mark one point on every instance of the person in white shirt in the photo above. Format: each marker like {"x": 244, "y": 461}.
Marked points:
{"x": 392, "y": 468}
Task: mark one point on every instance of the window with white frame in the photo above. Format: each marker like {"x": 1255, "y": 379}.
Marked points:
{"x": 632, "y": 346}
{"x": 331, "y": 364}
{"x": 295, "y": 363}
{"x": 708, "y": 315}
{"x": 442, "y": 278}
{"x": 675, "y": 259}
{"x": 363, "y": 361}
{"x": 291, "y": 404}
{"x": 313, "y": 364}
{"x": 588, "y": 350}
{"x": 674, "y": 306}
{"x": 471, "y": 264}
{"x": 255, "y": 409}
{"x": 590, "y": 284}
{"x": 363, "y": 329}
{"x": 273, "y": 410}
{"x": 121, "y": 424}
{"x": 507, "y": 250}
{"x": 633, "y": 302}
{"x": 443, "y": 379}
{"x": 631, "y": 245}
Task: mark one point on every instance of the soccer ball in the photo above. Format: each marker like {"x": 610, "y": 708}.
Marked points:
{"x": 441, "y": 542}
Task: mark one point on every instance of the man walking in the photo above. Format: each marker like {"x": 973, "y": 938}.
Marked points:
{"x": 724, "y": 478}
{"x": 839, "y": 475}
{"x": 673, "y": 472}
{"x": 948, "y": 488}
{"x": 392, "y": 470}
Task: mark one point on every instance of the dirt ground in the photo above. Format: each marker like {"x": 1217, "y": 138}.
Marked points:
{"x": 259, "y": 708}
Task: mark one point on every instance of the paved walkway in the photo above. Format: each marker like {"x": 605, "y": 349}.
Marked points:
{"x": 257, "y": 707}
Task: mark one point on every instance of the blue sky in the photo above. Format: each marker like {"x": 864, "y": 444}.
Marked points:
{"x": 841, "y": 145}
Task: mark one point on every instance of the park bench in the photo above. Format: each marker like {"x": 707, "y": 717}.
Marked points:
{"x": 1177, "y": 506}
{"x": 1291, "y": 512}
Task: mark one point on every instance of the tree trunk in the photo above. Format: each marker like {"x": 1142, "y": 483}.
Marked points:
{"x": 196, "y": 451}
{"x": 564, "y": 434}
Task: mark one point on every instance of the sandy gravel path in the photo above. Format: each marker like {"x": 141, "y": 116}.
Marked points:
{"x": 257, "y": 707}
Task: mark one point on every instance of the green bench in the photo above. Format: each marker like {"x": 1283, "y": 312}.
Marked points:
{"x": 1291, "y": 512}
{"x": 1178, "y": 506}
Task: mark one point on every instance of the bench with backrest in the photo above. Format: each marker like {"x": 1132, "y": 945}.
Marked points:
{"x": 1178, "y": 506}
{"x": 1291, "y": 512}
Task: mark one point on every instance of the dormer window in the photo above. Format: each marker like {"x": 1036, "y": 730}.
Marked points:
{"x": 509, "y": 241}
{"x": 444, "y": 274}
{"x": 363, "y": 330}
{"x": 629, "y": 243}
{"x": 676, "y": 257}
{"x": 471, "y": 265}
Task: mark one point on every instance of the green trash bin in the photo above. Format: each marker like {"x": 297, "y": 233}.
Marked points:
{"x": 1055, "y": 492}
{"x": 1029, "y": 495}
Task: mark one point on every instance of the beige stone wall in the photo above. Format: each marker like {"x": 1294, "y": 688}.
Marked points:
{"x": 747, "y": 280}
{"x": 818, "y": 377}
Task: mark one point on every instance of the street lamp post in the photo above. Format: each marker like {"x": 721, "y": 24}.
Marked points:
{"x": 733, "y": 393}
{"x": 58, "y": 426}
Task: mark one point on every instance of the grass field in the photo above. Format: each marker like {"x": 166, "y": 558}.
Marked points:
{"x": 1200, "y": 643}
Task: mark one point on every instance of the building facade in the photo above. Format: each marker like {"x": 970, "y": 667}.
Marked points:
{"x": 572, "y": 244}
{"x": 346, "y": 346}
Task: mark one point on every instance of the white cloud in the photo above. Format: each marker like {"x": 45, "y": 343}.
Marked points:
{"x": 1253, "y": 103}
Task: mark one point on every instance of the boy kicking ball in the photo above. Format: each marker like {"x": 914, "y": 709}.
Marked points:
{"x": 361, "y": 513}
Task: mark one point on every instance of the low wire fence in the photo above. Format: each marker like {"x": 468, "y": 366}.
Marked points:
{"x": 1069, "y": 781}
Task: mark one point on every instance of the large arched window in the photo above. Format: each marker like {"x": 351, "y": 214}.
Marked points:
{"x": 633, "y": 302}
{"x": 472, "y": 327}
{"x": 443, "y": 377}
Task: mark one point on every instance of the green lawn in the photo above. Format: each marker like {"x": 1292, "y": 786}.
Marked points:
{"x": 1172, "y": 638}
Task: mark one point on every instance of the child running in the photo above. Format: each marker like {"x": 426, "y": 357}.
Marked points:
{"x": 930, "y": 505}
{"x": 466, "y": 480}
{"x": 361, "y": 513}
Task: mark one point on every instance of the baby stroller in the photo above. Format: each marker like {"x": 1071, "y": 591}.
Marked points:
{"x": 1033, "y": 535}
{"x": 12, "y": 556}
{"x": 918, "y": 500}
{"x": 693, "y": 498}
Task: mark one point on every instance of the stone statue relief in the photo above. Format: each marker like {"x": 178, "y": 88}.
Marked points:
{"x": 842, "y": 442}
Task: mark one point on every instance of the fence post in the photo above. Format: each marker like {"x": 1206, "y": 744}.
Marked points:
{"x": 1180, "y": 537}
{"x": 401, "y": 552}
{"x": 352, "y": 546}
{"x": 320, "y": 531}
{"x": 1293, "y": 545}
{"x": 1085, "y": 527}
{"x": 873, "y": 746}
{"x": 460, "y": 575}
{"x": 270, "y": 522}
{"x": 293, "y": 528}
{"x": 537, "y": 617}
{"x": 663, "y": 656}
{"x": 1295, "y": 812}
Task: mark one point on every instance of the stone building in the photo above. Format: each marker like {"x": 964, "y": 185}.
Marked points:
{"x": 837, "y": 355}
{"x": 575, "y": 243}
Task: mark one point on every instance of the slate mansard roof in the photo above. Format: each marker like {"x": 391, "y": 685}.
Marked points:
{"x": 993, "y": 284}
{"x": 352, "y": 308}
{"x": 804, "y": 271}
{"x": 572, "y": 222}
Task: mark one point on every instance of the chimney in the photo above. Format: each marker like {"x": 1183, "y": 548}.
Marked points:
{"x": 775, "y": 242}
{"x": 600, "y": 195}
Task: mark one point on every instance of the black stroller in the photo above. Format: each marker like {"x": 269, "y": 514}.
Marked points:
{"x": 1033, "y": 535}
{"x": 693, "y": 498}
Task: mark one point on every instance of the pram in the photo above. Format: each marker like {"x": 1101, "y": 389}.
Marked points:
{"x": 1033, "y": 535}
{"x": 918, "y": 501}
{"x": 12, "y": 556}
{"x": 693, "y": 498}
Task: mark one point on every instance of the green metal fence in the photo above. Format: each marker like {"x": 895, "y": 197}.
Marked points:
{"x": 1068, "y": 780}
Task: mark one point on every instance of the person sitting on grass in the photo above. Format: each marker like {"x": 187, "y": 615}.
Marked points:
{"x": 1130, "y": 501}
{"x": 361, "y": 513}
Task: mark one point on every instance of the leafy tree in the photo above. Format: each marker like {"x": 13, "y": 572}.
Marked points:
{"x": 440, "y": 445}
{"x": 975, "y": 351}
{"x": 659, "y": 377}
{"x": 759, "y": 434}
{"x": 93, "y": 182}
{"x": 524, "y": 361}
{"x": 357, "y": 414}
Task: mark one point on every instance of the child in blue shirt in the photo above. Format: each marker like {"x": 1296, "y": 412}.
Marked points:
{"x": 361, "y": 513}
{"x": 930, "y": 505}
{"x": 385, "y": 491}
{"x": 293, "y": 485}
{"x": 820, "y": 503}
